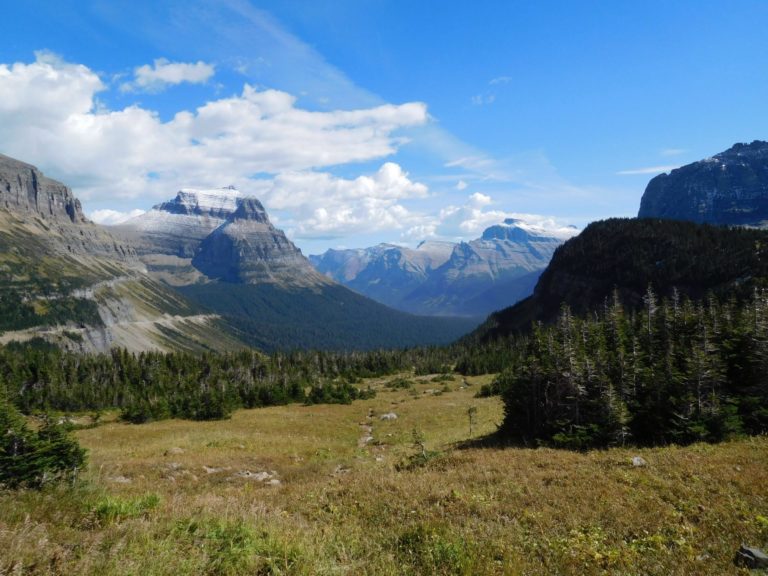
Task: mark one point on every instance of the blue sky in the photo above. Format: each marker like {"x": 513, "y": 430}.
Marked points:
{"x": 360, "y": 121}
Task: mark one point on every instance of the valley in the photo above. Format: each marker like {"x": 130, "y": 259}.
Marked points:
{"x": 338, "y": 288}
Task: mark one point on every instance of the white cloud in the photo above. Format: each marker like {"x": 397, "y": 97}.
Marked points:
{"x": 483, "y": 99}
{"x": 469, "y": 220}
{"x": 461, "y": 185}
{"x": 49, "y": 116}
{"x": 649, "y": 170}
{"x": 321, "y": 204}
{"x": 500, "y": 80}
{"x": 109, "y": 217}
{"x": 673, "y": 151}
{"x": 479, "y": 199}
{"x": 162, "y": 73}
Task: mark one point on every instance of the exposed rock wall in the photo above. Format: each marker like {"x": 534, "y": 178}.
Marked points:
{"x": 731, "y": 188}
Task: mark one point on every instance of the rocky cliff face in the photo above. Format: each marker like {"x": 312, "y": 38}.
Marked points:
{"x": 731, "y": 188}
{"x": 24, "y": 189}
{"x": 39, "y": 203}
{"x": 177, "y": 227}
{"x": 248, "y": 249}
{"x": 441, "y": 278}
{"x": 221, "y": 234}
{"x": 71, "y": 282}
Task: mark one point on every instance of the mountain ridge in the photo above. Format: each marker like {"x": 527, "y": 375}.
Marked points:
{"x": 626, "y": 256}
{"x": 71, "y": 282}
{"x": 467, "y": 278}
{"x": 219, "y": 249}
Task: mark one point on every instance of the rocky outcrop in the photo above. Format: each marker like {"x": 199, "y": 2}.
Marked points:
{"x": 25, "y": 190}
{"x": 248, "y": 249}
{"x": 442, "y": 278}
{"x": 49, "y": 208}
{"x": 731, "y": 188}
{"x": 177, "y": 227}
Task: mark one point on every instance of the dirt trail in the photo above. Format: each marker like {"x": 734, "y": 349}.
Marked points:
{"x": 367, "y": 430}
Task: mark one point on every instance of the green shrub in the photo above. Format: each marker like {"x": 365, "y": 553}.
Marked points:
{"x": 33, "y": 458}
{"x": 233, "y": 548}
{"x": 429, "y": 550}
{"x": 113, "y": 509}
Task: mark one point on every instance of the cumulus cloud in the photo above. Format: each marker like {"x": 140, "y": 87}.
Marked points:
{"x": 109, "y": 217}
{"x": 470, "y": 219}
{"x": 479, "y": 199}
{"x": 323, "y": 205}
{"x": 50, "y": 116}
{"x": 461, "y": 185}
{"x": 162, "y": 73}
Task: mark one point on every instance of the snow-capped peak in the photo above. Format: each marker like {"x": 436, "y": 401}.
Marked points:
{"x": 209, "y": 200}
{"x": 547, "y": 228}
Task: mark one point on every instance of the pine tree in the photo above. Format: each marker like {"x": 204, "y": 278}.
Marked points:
{"x": 29, "y": 458}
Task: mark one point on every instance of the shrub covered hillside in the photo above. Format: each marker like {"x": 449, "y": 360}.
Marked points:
{"x": 677, "y": 371}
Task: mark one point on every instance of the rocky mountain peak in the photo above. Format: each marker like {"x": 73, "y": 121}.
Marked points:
{"x": 509, "y": 230}
{"x": 514, "y": 230}
{"x": 250, "y": 209}
{"x": 24, "y": 189}
{"x": 248, "y": 249}
{"x": 177, "y": 227}
{"x": 49, "y": 208}
{"x": 730, "y": 188}
{"x": 216, "y": 203}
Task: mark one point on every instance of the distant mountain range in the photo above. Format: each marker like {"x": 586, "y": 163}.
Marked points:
{"x": 205, "y": 271}
{"x": 219, "y": 249}
{"x": 446, "y": 279}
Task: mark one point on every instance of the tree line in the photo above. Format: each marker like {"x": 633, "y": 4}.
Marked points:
{"x": 674, "y": 371}
{"x": 155, "y": 385}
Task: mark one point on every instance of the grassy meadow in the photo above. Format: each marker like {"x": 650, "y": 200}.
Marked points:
{"x": 336, "y": 489}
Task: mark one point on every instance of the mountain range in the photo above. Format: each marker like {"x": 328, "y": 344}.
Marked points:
{"x": 448, "y": 279}
{"x": 206, "y": 270}
{"x": 73, "y": 283}
{"x": 219, "y": 250}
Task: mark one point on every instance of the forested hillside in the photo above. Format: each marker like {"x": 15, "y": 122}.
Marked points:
{"x": 331, "y": 317}
{"x": 628, "y": 255}
{"x": 676, "y": 371}
{"x": 155, "y": 385}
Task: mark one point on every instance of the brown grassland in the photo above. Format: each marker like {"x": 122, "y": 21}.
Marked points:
{"x": 302, "y": 490}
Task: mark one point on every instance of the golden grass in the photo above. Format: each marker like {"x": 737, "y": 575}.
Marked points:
{"x": 344, "y": 506}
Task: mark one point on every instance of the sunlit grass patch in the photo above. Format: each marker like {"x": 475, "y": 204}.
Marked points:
{"x": 344, "y": 507}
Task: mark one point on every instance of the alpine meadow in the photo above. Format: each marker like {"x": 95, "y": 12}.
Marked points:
{"x": 383, "y": 288}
